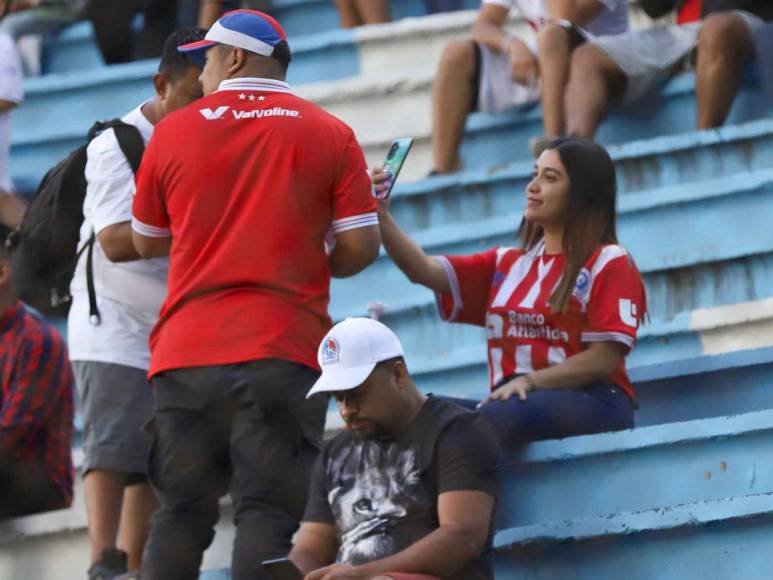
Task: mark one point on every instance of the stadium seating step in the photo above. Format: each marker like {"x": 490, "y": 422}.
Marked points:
{"x": 643, "y": 468}
{"x": 60, "y": 108}
{"x": 389, "y": 70}
{"x": 735, "y": 380}
{"x": 720, "y": 539}
{"x": 321, "y": 50}
{"x": 697, "y": 266}
{"x": 649, "y": 468}
{"x": 451, "y": 358}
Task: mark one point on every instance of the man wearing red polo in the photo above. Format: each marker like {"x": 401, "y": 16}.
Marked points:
{"x": 241, "y": 189}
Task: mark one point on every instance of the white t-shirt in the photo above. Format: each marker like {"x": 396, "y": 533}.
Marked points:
{"x": 11, "y": 89}
{"x": 129, "y": 294}
{"x": 612, "y": 20}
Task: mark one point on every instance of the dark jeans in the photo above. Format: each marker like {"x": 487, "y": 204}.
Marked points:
{"x": 26, "y": 488}
{"x": 556, "y": 413}
{"x": 112, "y": 21}
{"x": 247, "y": 429}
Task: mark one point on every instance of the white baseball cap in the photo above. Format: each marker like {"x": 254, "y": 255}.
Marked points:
{"x": 350, "y": 352}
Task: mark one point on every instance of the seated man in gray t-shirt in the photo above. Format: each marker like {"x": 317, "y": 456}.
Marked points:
{"x": 410, "y": 486}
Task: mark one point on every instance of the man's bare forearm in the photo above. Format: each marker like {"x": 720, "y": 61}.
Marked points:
{"x": 442, "y": 553}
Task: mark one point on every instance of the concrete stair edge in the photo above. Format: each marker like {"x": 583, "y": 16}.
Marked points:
{"x": 686, "y": 515}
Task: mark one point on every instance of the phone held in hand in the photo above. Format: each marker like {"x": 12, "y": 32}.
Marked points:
{"x": 394, "y": 162}
{"x": 281, "y": 569}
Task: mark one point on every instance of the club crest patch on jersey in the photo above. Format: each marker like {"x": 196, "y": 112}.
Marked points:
{"x": 582, "y": 286}
{"x": 330, "y": 351}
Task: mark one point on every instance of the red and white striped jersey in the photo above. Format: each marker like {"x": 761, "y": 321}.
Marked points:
{"x": 507, "y": 291}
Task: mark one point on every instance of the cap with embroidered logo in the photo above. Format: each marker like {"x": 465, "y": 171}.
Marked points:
{"x": 248, "y": 29}
{"x": 350, "y": 352}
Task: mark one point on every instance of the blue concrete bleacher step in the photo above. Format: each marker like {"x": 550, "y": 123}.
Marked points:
{"x": 59, "y": 109}
{"x": 638, "y": 469}
{"x": 74, "y": 49}
{"x": 722, "y": 539}
{"x": 677, "y": 389}
{"x": 668, "y": 112}
{"x": 706, "y": 223}
{"x": 626, "y": 491}
{"x": 691, "y": 267}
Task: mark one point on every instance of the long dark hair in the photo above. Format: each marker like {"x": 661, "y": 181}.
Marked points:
{"x": 590, "y": 213}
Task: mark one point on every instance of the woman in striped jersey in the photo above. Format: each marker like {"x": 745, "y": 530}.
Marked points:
{"x": 561, "y": 310}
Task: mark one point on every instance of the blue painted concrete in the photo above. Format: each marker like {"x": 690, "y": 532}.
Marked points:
{"x": 644, "y": 468}
{"x": 59, "y": 108}
{"x": 215, "y": 575}
{"x": 652, "y": 520}
{"x": 668, "y": 113}
{"x": 324, "y": 56}
{"x": 474, "y": 211}
{"x": 669, "y": 391}
{"x": 721, "y": 540}
{"x": 74, "y": 100}
{"x": 713, "y": 391}
{"x": 692, "y": 271}
{"x": 440, "y": 350}
{"x": 696, "y": 269}
{"x": 304, "y": 17}
{"x": 74, "y": 49}
{"x": 688, "y": 493}
{"x": 687, "y": 483}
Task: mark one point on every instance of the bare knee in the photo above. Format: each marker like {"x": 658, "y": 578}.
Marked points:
{"x": 586, "y": 65}
{"x": 592, "y": 67}
{"x": 552, "y": 40}
{"x": 458, "y": 57}
{"x": 724, "y": 34}
{"x": 595, "y": 82}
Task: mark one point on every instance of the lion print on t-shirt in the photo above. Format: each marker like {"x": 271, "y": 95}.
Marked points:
{"x": 378, "y": 487}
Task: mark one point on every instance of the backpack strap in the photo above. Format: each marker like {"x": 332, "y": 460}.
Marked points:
{"x": 95, "y": 318}
{"x": 133, "y": 147}
{"x": 129, "y": 140}
{"x": 131, "y": 143}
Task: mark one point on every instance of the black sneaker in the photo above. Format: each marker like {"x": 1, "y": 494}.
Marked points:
{"x": 112, "y": 564}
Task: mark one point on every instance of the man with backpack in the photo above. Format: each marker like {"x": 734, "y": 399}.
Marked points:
{"x": 108, "y": 327}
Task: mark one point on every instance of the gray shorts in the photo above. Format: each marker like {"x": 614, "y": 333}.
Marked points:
{"x": 651, "y": 56}
{"x": 117, "y": 403}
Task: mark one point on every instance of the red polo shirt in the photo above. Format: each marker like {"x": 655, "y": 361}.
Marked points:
{"x": 248, "y": 182}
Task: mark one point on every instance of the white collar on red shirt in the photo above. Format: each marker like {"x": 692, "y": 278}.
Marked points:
{"x": 254, "y": 84}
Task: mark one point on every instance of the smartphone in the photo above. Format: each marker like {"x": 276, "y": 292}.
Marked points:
{"x": 394, "y": 161}
{"x": 282, "y": 569}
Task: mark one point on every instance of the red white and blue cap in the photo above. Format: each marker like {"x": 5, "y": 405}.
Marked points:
{"x": 350, "y": 352}
{"x": 248, "y": 29}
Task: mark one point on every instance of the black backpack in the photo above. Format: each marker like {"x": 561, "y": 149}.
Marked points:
{"x": 45, "y": 246}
